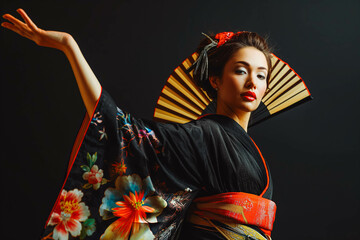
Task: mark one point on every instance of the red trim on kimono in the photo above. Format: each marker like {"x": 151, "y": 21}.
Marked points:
{"x": 75, "y": 150}
{"x": 266, "y": 169}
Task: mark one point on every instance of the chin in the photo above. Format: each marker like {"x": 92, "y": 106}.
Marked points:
{"x": 248, "y": 106}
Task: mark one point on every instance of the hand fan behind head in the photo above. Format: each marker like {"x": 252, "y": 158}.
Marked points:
{"x": 181, "y": 100}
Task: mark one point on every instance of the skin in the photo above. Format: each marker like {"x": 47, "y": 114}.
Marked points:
{"x": 89, "y": 86}
{"x": 245, "y": 71}
{"x": 237, "y": 78}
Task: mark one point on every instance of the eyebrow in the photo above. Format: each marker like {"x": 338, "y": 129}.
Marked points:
{"x": 247, "y": 64}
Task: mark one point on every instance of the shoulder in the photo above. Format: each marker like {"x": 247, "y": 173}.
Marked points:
{"x": 200, "y": 125}
{"x": 196, "y": 129}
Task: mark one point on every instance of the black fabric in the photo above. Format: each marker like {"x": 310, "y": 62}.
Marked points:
{"x": 171, "y": 164}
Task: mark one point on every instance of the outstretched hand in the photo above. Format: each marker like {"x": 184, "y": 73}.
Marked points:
{"x": 52, "y": 39}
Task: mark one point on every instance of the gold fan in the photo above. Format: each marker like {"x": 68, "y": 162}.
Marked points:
{"x": 181, "y": 100}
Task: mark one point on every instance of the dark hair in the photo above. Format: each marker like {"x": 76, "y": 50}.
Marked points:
{"x": 218, "y": 56}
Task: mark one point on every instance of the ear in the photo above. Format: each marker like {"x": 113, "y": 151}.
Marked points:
{"x": 214, "y": 81}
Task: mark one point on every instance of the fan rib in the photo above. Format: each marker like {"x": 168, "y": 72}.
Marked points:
{"x": 184, "y": 93}
{"x": 177, "y": 114}
{"x": 276, "y": 90}
{"x": 274, "y": 109}
{"x": 277, "y": 70}
{"x": 274, "y": 61}
{"x": 181, "y": 100}
{"x": 289, "y": 101}
{"x": 160, "y": 113}
{"x": 198, "y": 91}
{"x": 294, "y": 88}
{"x": 191, "y": 87}
{"x": 173, "y": 95}
{"x": 167, "y": 102}
{"x": 276, "y": 84}
{"x": 286, "y": 93}
{"x": 295, "y": 73}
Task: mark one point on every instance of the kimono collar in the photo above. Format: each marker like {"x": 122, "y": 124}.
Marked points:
{"x": 233, "y": 128}
{"x": 229, "y": 124}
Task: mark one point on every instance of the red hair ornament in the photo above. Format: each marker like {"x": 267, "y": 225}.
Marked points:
{"x": 224, "y": 37}
{"x": 200, "y": 66}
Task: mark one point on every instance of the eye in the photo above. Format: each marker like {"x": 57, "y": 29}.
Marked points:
{"x": 241, "y": 71}
{"x": 261, "y": 76}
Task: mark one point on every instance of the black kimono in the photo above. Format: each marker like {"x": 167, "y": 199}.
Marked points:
{"x": 130, "y": 178}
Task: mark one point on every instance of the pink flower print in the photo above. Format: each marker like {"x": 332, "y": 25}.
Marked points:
{"x": 96, "y": 119}
{"x": 94, "y": 177}
{"x": 92, "y": 173}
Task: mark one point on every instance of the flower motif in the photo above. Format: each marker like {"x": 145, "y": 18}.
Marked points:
{"x": 152, "y": 136}
{"x": 96, "y": 119}
{"x": 92, "y": 173}
{"x": 131, "y": 201}
{"x": 124, "y": 118}
{"x": 153, "y": 139}
{"x": 120, "y": 168}
{"x": 94, "y": 177}
{"x": 141, "y": 134}
{"x": 103, "y": 134}
{"x": 68, "y": 214}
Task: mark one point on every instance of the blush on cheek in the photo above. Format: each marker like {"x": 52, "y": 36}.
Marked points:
{"x": 262, "y": 90}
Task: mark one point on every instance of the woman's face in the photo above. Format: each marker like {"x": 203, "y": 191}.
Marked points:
{"x": 243, "y": 83}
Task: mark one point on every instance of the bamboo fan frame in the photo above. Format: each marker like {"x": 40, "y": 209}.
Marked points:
{"x": 182, "y": 101}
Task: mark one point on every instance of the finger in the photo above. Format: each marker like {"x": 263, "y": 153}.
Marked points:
{"x": 16, "y": 29}
{"x": 14, "y": 20}
{"x": 27, "y": 19}
{"x": 17, "y": 23}
{"x": 11, "y": 27}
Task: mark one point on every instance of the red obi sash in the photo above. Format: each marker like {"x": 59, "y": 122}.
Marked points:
{"x": 238, "y": 208}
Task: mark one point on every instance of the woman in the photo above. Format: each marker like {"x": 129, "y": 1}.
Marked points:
{"x": 130, "y": 178}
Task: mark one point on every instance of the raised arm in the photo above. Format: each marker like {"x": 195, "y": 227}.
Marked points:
{"x": 89, "y": 86}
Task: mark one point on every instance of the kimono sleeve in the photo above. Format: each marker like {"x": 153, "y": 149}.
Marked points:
{"x": 127, "y": 178}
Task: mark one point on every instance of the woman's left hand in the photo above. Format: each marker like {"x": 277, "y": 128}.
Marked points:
{"x": 44, "y": 38}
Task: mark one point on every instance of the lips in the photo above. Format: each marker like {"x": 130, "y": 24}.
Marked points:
{"x": 251, "y": 96}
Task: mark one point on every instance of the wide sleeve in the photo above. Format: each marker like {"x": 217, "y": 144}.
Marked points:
{"x": 127, "y": 178}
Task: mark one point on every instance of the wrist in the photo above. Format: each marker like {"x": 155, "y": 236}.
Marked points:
{"x": 67, "y": 43}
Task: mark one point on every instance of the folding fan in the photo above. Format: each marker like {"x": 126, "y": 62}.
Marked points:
{"x": 181, "y": 100}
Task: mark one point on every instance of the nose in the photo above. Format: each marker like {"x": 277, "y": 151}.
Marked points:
{"x": 251, "y": 81}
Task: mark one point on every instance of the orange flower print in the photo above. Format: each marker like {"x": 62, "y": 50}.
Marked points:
{"x": 133, "y": 204}
{"x": 120, "y": 168}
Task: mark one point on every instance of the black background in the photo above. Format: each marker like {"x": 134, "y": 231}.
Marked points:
{"x": 133, "y": 46}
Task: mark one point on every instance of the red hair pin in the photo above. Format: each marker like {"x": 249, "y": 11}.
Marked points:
{"x": 224, "y": 37}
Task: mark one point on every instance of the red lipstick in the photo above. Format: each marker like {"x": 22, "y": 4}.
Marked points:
{"x": 250, "y": 96}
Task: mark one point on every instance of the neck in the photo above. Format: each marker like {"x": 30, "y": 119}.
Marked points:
{"x": 239, "y": 116}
